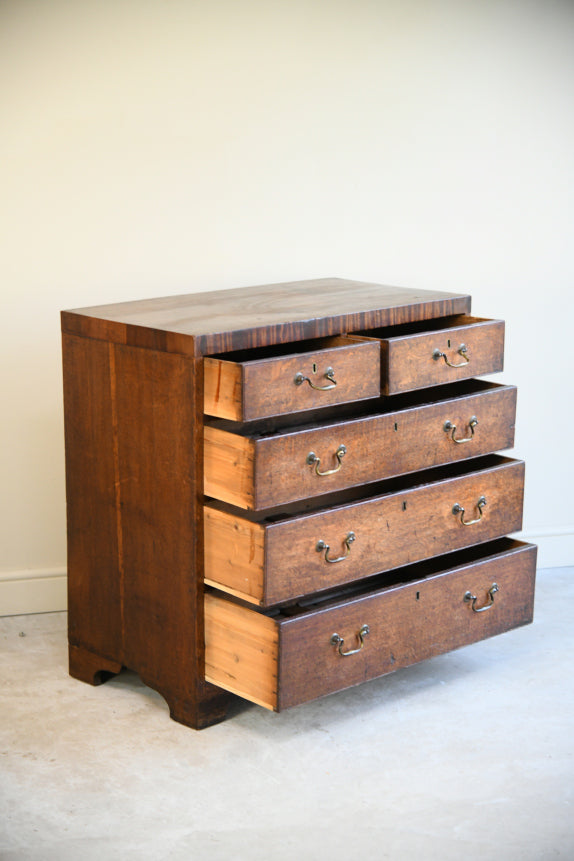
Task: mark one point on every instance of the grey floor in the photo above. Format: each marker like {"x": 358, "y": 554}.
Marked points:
{"x": 466, "y": 756}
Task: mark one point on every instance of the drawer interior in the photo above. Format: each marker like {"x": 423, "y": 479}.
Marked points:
{"x": 419, "y": 572}
{"x": 424, "y": 327}
{"x": 284, "y": 350}
{"x": 307, "y": 420}
{"x": 368, "y": 491}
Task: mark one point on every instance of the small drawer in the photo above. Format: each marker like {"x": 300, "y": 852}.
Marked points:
{"x": 256, "y": 468}
{"x": 286, "y": 658}
{"x": 275, "y": 381}
{"x": 278, "y": 559}
{"x": 417, "y": 355}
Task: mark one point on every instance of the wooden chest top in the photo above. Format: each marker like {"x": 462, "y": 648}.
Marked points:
{"x": 223, "y": 320}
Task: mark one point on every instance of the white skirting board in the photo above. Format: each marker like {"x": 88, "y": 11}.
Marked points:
{"x": 555, "y": 545}
{"x": 40, "y": 590}
{"x": 44, "y": 590}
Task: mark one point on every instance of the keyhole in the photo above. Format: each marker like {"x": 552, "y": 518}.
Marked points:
{"x": 448, "y": 342}
{"x": 404, "y": 506}
{"x": 315, "y": 366}
{"x": 418, "y": 595}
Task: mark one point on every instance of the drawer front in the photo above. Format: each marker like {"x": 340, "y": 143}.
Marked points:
{"x": 262, "y": 472}
{"x": 471, "y": 347}
{"x": 345, "y": 371}
{"x": 270, "y": 563}
{"x": 281, "y": 662}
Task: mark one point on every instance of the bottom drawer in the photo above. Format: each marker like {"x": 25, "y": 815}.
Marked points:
{"x": 287, "y": 657}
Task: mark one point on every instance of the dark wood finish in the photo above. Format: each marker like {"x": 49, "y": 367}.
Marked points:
{"x": 393, "y": 529}
{"x": 266, "y": 386}
{"x": 260, "y": 471}
{"x": 90, "y": 668}
{"x": 134, "y": 469}
{"x": 408, "y": 623}
{"x": 224, "y": 320}
{"x": 94, "y": 582}
{"x": 421, "y": 616}
{"x": 157, "y": 407}
{"x": 134, "y": 399}
{"x": 408, "y": 361}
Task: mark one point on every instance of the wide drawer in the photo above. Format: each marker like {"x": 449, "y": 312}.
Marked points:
{"x": 258, "y": 470}
{"x": 281, "y": 558}
{"x": 417, "y": 355}
{"x": 292, "y": 378}
{"x": 283, "y": 660}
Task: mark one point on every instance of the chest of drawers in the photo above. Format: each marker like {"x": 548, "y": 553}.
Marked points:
{"x": 278, "y": 492}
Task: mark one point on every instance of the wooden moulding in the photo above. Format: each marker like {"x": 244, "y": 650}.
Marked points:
{"x": 275, "y": 561}
{"x": 285, "y": 660}
{"x": 261, "y": 387}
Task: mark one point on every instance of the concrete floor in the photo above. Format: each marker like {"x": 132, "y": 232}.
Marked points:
{"x": 468, "y": 756}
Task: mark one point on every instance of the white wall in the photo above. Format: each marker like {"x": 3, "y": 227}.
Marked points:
{"x": 151, "y": 148}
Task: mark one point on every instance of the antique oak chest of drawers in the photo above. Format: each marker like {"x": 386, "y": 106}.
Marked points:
{"x": 278, "y": 492}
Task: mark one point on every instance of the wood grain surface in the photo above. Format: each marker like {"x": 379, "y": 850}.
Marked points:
{"x": 273, "y": 562}
{"x": 408, "y": 623}
{"x": 141, "y": 457}
{"x": 262, "y": 387}
{"x": 94, "y": 546}
{"x": 234, "y": 554}
{"x": 408, "y": 361}
{"x": 229, "y": 467}
{"x": 241, "y": 650}
{"x": 262, "y": 471}
{"x": 285, "y": 660}
{"x": 134, "y": 467}
{"x": 223, "y": 320}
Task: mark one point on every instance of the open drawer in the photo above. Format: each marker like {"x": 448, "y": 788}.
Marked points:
{"x": 430, "y": 353}
{"x": 291, "y": 378}
{"x": 262, "y": 466}
{"x": 278, "y": 558}
{"x": 287, "y": 658}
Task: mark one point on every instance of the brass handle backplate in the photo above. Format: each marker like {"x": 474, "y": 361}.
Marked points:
{"x": 315, "y": 460}
{"x": 462, "y": 351}
{"x": 329, "y": 375}
{"x": 449, "y": 427}
{"x": 458, "y": 509}
{"x": 323, "y": 546}
{"x": 337, "y": 640}
{"x": 470, "y": 598}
